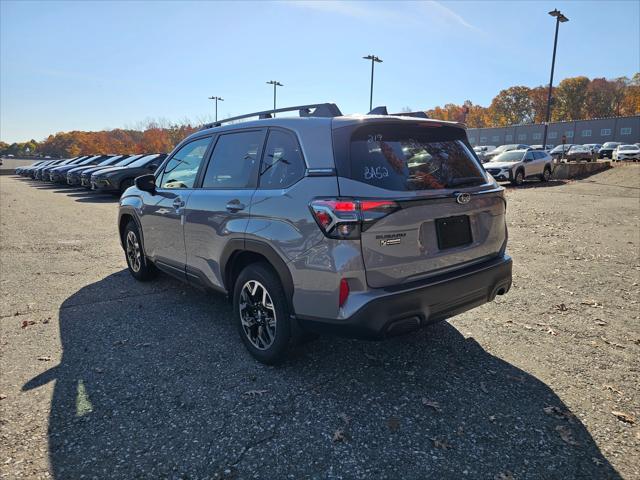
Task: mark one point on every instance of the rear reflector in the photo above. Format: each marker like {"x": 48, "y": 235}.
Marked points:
{"x": 344, "y": 292}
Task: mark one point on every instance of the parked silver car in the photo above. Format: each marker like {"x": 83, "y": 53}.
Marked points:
{"x": 367, "y": 226}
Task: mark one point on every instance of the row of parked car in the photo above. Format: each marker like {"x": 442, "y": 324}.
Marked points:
{"x": 616, "y": 151}
{"x": 104, "y": 173}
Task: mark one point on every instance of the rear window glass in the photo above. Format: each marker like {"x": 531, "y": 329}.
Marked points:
{"x": 414, "y": 157}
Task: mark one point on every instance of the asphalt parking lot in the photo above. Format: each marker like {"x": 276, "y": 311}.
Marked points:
{"x": 104, "y": 377}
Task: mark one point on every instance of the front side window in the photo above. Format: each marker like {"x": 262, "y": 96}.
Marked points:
{"x": 409, "y": 158}
{"x": 282, "y": 163}
{"x": 182, "y": 169}
{"x": 234, "y": 163}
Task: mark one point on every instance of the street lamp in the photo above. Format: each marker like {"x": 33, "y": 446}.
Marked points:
{"x": 216, "y": 100}
{"x": 275, "y": 84}
{"x": 559, "y": 18}
{"x": 374, "y": 60}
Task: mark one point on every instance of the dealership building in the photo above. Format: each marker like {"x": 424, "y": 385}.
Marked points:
{"x": 599, "y": 130}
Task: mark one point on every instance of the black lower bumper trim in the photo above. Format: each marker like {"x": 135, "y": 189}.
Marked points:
{"x": 420, "y": 305}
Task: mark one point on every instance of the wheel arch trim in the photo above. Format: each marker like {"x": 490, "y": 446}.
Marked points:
{"x": 238, "y": 246}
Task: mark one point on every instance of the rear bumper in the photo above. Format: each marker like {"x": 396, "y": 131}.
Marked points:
{"x": 393, "y": 313}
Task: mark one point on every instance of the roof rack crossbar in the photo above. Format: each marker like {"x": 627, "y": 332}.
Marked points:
{"x": 319, "y": 110}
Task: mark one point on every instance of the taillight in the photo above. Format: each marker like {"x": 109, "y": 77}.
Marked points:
{"x": 345, "y": 218}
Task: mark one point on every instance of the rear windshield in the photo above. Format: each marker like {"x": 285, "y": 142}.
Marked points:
{"x": 412, "y": 157}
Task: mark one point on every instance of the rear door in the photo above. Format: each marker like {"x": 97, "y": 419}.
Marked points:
{"x": 530, "y": 165}
{"x": 427, "y": 170}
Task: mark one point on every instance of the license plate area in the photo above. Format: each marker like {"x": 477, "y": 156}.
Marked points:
{"x": 453, "y": 232}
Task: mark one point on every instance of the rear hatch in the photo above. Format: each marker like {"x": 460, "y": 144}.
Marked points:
{"x": 447, "y": 213}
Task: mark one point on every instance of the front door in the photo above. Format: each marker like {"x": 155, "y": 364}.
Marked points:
{"x": 163, "y": 212}
{"x": 218, "y": 211}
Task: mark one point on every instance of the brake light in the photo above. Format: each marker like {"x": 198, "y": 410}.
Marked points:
{"x": 346, "y": 218}
{"x": 344, "y": 292}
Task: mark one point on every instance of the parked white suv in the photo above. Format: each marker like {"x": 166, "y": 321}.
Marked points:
{"x": 626, "y": 152}
{"x": 518, "y": 165}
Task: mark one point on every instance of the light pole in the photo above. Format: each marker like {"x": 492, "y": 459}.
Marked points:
{"x": 559, "y": 18}
{"x": 374, "y": 60}
{"x": 275, "y": 84}
{"x": 217, "y": 99}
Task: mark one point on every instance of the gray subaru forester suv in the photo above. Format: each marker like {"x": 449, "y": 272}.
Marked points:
{"x": 368, "y": 226}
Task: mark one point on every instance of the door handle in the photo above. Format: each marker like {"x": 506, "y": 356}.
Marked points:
{"x": 235, "y": 206}
{"x": 178, "y": 203}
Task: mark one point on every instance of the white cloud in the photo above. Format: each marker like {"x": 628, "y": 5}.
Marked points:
{"x": 410, "y": 12}
{"x": 447, "y": 13}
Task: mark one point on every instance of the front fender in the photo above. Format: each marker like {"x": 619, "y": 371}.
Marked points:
{"x": 130, "y": 206}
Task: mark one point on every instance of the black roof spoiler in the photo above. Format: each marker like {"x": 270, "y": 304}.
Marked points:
{"x": 382, "y": 110}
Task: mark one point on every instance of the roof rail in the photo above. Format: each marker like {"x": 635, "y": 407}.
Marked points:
{"x": 319, "y": 110}
{"x": 382, "y": 110}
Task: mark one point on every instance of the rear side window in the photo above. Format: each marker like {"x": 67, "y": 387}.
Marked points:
{"x": 412, "y": 157}
{"x": 234, "y": 163}
{"x": 282, "y": 163}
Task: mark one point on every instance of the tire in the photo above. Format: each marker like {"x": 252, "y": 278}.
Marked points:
{"x": 546, "y": 175}
{"x": 126, "y": 183}
{"x": 265, "y": 328}
{"x": 142, "y": 269}
{"x": 518, "y": 179}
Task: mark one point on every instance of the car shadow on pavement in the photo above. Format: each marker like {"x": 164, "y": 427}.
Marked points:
{"x": 155, "y": 383}
{"x": 87, "y": 196}
{"x": 535, "y": 184}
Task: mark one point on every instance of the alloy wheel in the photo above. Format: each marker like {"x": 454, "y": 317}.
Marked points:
{"x": 134, "y": 254}
{"x": 257, "y": 315}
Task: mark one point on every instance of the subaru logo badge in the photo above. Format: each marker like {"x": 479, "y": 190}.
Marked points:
{"x": 463, "y": 198}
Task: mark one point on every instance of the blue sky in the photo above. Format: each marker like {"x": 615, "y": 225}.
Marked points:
{"x": 95, "y": 65}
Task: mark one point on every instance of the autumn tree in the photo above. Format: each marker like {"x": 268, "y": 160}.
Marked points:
{"x": 511, "y": 106}
{"x": 630, "y": 103}
{"x": 570, "y": 98}
{"x": 539, "y": 97}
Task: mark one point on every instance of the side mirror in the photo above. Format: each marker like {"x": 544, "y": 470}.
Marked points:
{"x": 146, "y": 183}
